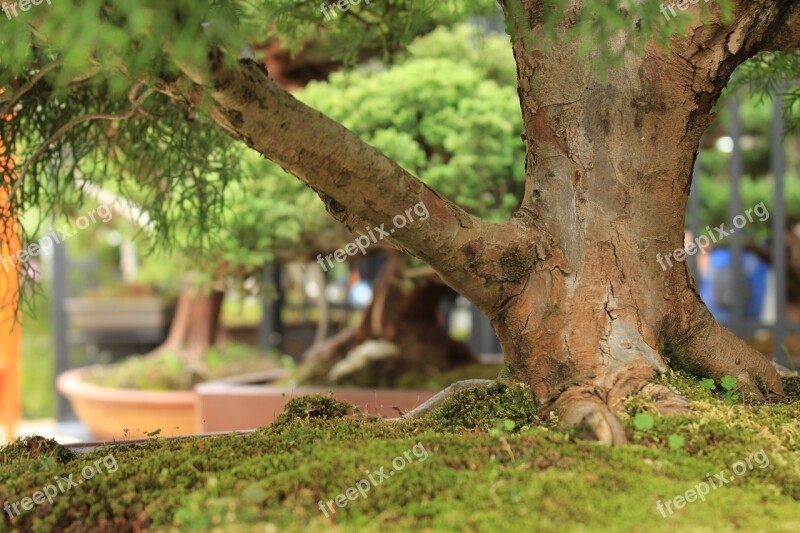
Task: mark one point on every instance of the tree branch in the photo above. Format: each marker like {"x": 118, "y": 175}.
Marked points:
{"x": 786, "y": 35}
{"x": 360, "y": 186}
{"x": 707, "y": 57}
{"x": 15, "y": 97}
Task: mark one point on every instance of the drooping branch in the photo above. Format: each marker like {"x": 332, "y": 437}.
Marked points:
{"x": 360, "y": 186}
{"x": 13, "y": 98}
{"x": 136, "y": 102}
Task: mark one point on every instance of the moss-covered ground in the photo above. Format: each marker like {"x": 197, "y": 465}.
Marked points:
{"x": 483, "y": 462}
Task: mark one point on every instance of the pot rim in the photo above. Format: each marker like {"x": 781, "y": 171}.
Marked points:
{"x": 72, "y": 385}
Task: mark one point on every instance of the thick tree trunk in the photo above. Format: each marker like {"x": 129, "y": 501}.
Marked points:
{"x": 609, "y": 171}
{"x": 584, "y": 311}
{"x": 406, "y": 321}
{"x": 195, "y": 325}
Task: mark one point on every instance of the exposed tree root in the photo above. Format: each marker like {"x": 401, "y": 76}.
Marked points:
{"x": 584, "y": 408}
{"x": 439, "y": 398}
{"x": 590, "y": 411}
{"x": 666, "y": 401}
{"x": 711, "y": 350}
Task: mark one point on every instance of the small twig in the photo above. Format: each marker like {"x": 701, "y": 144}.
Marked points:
{"x": 361, "y": 19}
{"x": 28, "y": 86}
{"x": 135, "y": 103}
{"x": 439, "y": 398}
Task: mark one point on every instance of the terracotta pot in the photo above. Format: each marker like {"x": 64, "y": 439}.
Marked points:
{"x": 234, "y": 404}
{"x": 109, "y": 412}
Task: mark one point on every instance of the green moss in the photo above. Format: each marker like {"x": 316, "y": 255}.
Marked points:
{"x": 675, "y": 357}
{"x": 35, "y": 448}
{"x": 686, "y": 385}
{"x": 515, "y": 264}
{"x": 313, "y": 407}
{"x": 791, "y": 386}
{"x": 673, "y": 341}
{"x": 481, "y": 407}
{"x": 525, "y": 478}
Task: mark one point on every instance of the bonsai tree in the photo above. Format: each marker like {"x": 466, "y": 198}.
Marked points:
{"x": 264, "y": 220}
{"x": 613, "y": 97}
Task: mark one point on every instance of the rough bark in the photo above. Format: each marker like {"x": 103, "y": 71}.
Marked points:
{"x": 609, "y": 170}
{"x": 584, "y": 311}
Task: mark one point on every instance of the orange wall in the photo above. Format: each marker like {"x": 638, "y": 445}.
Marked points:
{"x": 10, "y": 333}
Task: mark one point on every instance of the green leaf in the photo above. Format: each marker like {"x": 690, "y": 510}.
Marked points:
{"x": 708, "y": 383}
{"x": 643, "y": 421}
{"x": 509, "y": 425}
{"x": 676, "y": 442}
{"x": 728, "y": 383}
{"x": 731, "y": 397}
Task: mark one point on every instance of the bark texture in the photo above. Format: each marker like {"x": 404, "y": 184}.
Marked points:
{"x": 572, "y": 284}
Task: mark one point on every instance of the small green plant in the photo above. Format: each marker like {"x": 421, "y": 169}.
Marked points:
{"x": 643, "y": 421}
{"x": 288, "y": 362}
{"x": 729, "y": 384}
{"x": 708, "y": 383}
{"x": 676, "y": 442}
{"x": 502, "y": 427}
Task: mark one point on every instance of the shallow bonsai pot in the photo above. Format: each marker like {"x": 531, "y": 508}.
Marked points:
{"x": 237, "y": 403}
{"x": 108, "y": 413}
